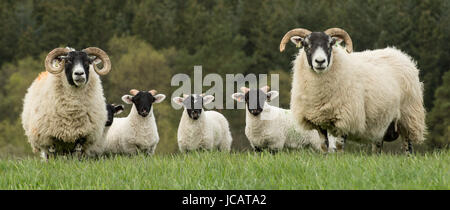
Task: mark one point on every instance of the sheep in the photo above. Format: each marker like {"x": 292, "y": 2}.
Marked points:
{"x": 112, "y": 110}
{"x": 370, "y": 95}
{"x": 271, "y": 127}
{"x": 64, "y": 111}
{"x": 138, "y": 131}
{"x": 199, "y": 129}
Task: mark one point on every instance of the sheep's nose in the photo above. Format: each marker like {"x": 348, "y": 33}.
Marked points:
{"x": 320, "y": 61}
{"x": 79, "y": 73}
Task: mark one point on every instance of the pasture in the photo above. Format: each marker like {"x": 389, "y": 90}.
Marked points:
{"x": 292, "y": 170}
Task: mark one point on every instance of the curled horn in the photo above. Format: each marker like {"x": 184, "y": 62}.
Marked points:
{"x": 52, "y": 56}
{"x": 134, "y": 92}
{"x": 340, "y": 33}
{"x": 153, "y": 92}
{"x": 99, "y": 53}
{"x": 294, "y": 32}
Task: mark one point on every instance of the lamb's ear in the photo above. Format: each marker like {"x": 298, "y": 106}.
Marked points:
{"x": 159, "y": 98}
{"x": 272, "y": 95}
{"x": 239, "y": 97}
{"x": 118, "y": 109}
{"x": 178, "y": 100}
{"x": 127, "y": 99}
{"x": 208, "y": 99}
{"x": 297, "y": 40}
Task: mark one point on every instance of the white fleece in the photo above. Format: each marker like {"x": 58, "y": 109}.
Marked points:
{"x": 210, "y": 131}
{"x": 55, "y": 109}
{"x": 132, "y": 134}
{"x": 276, "y": 128}
{"x": 360, "y": 95}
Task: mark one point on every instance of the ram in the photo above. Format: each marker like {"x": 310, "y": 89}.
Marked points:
{"x": 64, "y": 108}
{"x": 273, "y": 128}
{"x": 199, "y": 129}
{"x": 371, "y": 95}
{"x": 138, "y": 131}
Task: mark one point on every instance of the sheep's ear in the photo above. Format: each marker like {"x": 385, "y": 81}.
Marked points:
{"x": 127, "y": 99}
{"x": 239, "y": 97}
{"x": 118, "y": 109}
{"x": 297, "y": 40}
{"x": 178, "y": 100}
{"x": 208, "y": 99}
{"x": 272, "y": 95}
{"x": 159, "y": 98}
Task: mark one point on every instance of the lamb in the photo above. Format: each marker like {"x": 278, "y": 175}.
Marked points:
{"x": 371, "y": 95}
{"x": 64, "y": 111}
{"x": 112, "y": 110}
{"x": 271, "y": 127}
{"x": 199, "y": 129}
{"x": 137, "y": 132}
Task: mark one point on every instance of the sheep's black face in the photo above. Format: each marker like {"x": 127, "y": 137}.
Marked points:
{"x": 255, "y": 99}
{"x": 77, "y": 68}
{"x": 143, "y": 102}
{"x": 112, "y": 110}
{"x": 194, "y": 106}
{"x": 318, "y": 47}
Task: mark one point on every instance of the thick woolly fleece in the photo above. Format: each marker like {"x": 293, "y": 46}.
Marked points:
{"x": 360, "y": 95}
{"x": 132, "y": 134}
{"x": 53, "y": 109}
{"x": 210, "y": 131}
{"x": 275, "y": 129}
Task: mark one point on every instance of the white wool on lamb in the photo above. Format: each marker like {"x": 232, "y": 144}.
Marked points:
{"x": 199, "y": 129}
{"x": 137, "y": 132}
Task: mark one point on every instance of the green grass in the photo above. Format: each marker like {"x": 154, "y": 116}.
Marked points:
{"x": 248, "y": 170}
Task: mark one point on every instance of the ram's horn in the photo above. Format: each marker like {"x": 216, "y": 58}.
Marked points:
{"x": 52, "y": 56}
{"x": 294, "y": 32}
{"x": 134, "y": 92}
{"x": 153, "y": 92}
{"x": 340, "y": 33}
{"x": 99, "y": 53}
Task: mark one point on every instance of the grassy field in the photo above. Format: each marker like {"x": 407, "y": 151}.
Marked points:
{"x": 247, "y": 170}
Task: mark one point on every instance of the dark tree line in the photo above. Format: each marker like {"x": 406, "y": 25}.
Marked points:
{"x": 159, "y": 38}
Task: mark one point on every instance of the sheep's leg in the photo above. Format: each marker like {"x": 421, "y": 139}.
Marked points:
{"x": 377, "y": 147}
{"x": 340, "y": 143}
{"x": 150, "y": 151}
{"x": 78, "y": 150}
{"x": 407, "y": 147}
{"x": 323, "y": 133}
{"x": 44, "y": 156}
